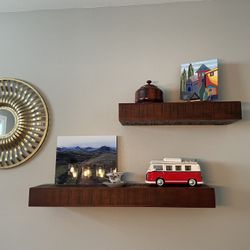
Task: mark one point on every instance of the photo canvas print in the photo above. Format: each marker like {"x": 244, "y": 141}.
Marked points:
{"x": 199, "y": 80}
{"x": 84, "y": 160}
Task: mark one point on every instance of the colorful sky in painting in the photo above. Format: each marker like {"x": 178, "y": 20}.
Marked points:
{"x": 212, "y": 63}
{"x": 86, "y": 141}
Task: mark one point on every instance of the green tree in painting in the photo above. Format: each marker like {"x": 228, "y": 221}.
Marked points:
{"x": 181, "y": 84}
{"x": 202, "y": 91}
{"x": 190, "y": 70}
{"x": 183, "y": 80}
{"x": 205, "y": 96}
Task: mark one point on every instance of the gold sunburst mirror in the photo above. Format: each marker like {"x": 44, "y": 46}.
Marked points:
{"x": 23, "y": 122}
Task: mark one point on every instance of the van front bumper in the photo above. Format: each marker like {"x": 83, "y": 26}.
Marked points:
{"x": 150, "y": 182}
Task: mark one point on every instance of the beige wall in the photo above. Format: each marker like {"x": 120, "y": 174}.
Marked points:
{"x": 87, "y": 61}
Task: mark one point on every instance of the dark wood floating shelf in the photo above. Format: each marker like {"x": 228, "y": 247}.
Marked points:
{"x": 180, "y": 113}
{"x": 137, "y": 195}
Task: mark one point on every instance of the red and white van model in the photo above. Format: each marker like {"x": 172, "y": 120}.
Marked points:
{"x": 174, "y": 170}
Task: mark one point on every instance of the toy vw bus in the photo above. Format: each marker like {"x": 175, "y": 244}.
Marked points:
{"x": 174, "y": 170}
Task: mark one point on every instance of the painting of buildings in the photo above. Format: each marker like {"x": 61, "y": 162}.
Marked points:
{"x": 85, "y": 160}
{"x": 199, "y": 80}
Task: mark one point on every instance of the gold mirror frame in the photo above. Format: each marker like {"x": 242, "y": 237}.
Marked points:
{"x": 27, "y": 106}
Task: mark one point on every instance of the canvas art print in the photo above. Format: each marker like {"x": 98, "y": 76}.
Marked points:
{"x": 85, "y": 159}
{"x": 199, "y": 80}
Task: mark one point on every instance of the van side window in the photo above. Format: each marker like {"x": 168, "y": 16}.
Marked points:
{"x": 178, "y": 168}
{"x": 168, "y": 168}
{"x": 158, "y": 167}
{"x": 188, "y": 168}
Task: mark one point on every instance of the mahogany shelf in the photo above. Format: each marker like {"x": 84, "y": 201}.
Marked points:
{"x": 136, "y": 195}
{"x": 180, "y": 113}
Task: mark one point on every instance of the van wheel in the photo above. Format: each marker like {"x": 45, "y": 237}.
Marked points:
{"x": 160, "y": 182}
{"x": 192, "y": 182}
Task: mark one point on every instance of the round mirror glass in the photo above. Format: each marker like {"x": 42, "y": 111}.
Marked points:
{"x": 7, "y": 121}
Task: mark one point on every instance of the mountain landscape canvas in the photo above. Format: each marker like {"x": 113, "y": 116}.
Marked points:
{"x": 199, "y": 80}
{"x": 85, "y": 160}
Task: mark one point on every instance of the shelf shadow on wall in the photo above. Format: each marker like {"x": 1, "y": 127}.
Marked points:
{"x": 245, "y": 106}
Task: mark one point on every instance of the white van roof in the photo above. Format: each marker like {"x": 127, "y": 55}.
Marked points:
{"x": 173, "y": 161}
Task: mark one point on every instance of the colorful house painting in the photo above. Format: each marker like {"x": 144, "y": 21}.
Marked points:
{"x": 199, "y": 80}
{"x": 211, "y": 83}
{"x": 201, "y": 73}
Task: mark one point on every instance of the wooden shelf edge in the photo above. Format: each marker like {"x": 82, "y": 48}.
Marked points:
{"x": 128, "y": 196}
{"x": 180, "y": 113}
